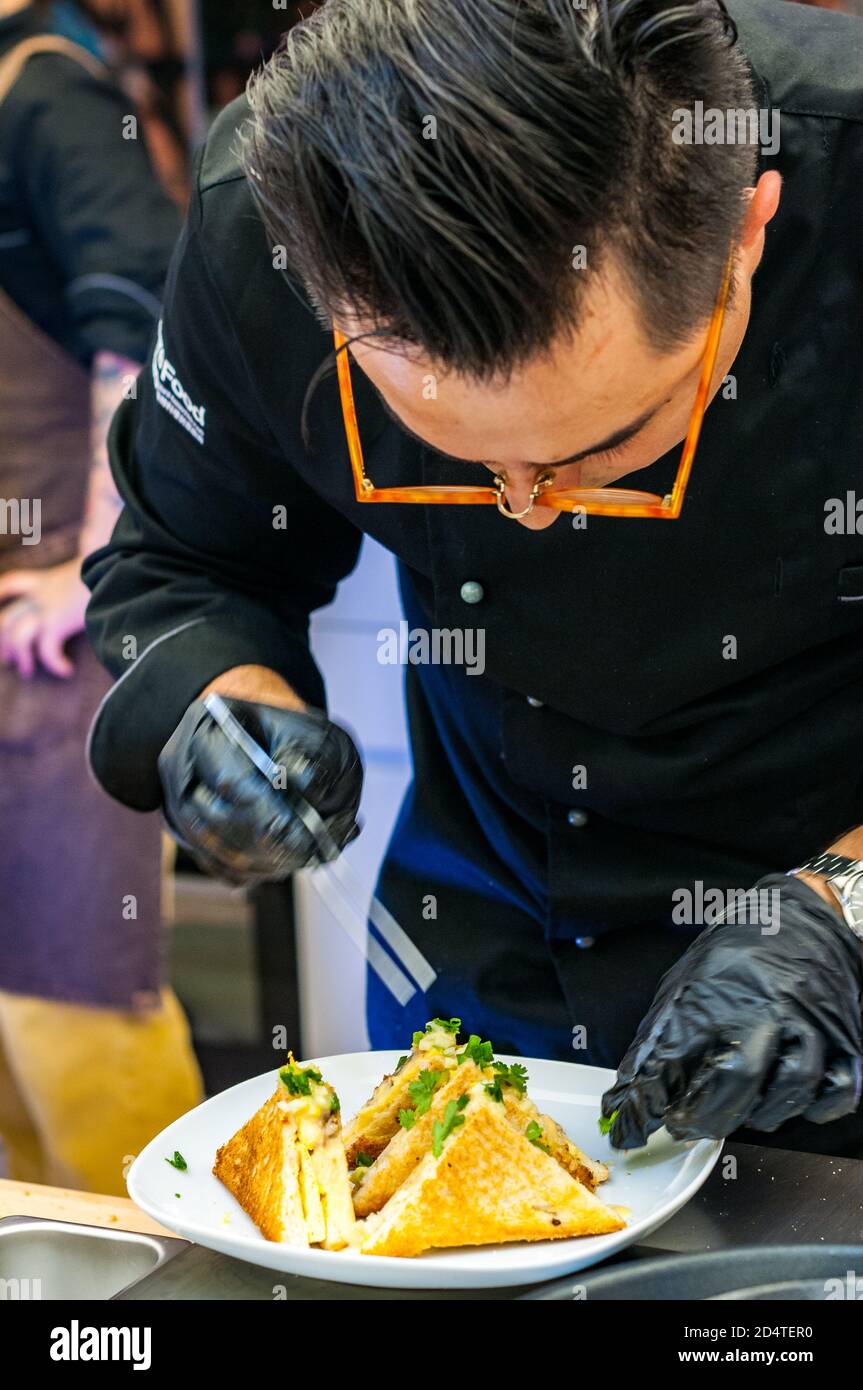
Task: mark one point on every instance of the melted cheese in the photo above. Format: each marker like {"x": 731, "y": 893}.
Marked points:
{"x": 438, "y": 1040}
{"x": 310, "y": 1114}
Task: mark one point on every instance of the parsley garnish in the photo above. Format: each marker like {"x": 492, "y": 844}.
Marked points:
{"x": 476, "y": 1051}
{"x": 515, "y": 1076}
{"x": 178, "y": 1161}
{"x": 535, "y": 1135}
{"x": 422, "y": 1090}
{"x": 442, "y": 1129}
{"x": 399, "y": 1064}
{"x": 606, "y": 1123}
{"x": 298, "y": 1080}
{"x": 363, "y": 1161}
{"x": 335, "y": 1104}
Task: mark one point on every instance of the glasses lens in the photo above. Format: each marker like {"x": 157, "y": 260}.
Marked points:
{"x": 598, "y": 496}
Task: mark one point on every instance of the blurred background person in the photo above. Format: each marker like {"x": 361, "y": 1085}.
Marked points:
{"x": 95, "y": 1054}
{"x": 154, "y": 52}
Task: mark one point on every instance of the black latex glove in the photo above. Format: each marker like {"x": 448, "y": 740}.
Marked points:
{"x": 748, "y": 1028}
{"x": 223, "y": 809}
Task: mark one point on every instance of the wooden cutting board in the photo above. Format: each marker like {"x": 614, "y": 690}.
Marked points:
{"x": 83, "y": 1208}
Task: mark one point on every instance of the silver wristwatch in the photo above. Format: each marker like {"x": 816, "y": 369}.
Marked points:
{"x": 844, "y": 877}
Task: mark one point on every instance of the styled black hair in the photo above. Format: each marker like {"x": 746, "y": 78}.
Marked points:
{"x": 433, "y": 166}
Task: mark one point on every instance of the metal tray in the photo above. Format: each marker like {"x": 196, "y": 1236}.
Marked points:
{"x": 60, "y": 1260}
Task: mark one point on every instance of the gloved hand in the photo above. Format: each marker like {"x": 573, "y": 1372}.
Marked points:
{"x": 223, "y": 809}
{"x": 749, "y": 1028}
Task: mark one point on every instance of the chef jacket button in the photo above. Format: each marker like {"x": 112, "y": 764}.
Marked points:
{"x": 472, "y": 592}
{"x": 534, "y": 702}
{"x": 577, "y": 818}
{"x": 584, "y": 943}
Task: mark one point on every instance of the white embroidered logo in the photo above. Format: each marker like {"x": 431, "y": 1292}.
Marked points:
{"x": 171, "y": 395}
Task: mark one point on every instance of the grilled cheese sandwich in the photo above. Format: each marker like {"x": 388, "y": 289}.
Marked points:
{"x": 449, "y": 1150}
{"x": 287, "y": 1168}
{"x": 377, "y": 1121}
{"x": 481, "y": 1182}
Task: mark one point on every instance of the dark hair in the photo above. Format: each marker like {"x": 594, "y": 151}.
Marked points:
{"x": 553, "y": 131}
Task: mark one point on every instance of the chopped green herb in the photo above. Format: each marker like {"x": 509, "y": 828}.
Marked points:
{"x": 515, "y": 1076}
{"x": 535, "y": 1134}
{"x": 475, "y": 1050}
{"x": 178, "y": 1162}
{"x": 364, "y": 1161}
{"x": 442, "y": 1129}
{"x": 422, "y": 1090}
{"x": 399, "y": 1064}
{"x": 335, "y": 1104}
{"x": 298, "y": 1080}
{"x": 446, "y": 1025}
{"x": 462, "y": 1101}
{"x": 605, "y": 1123}
{"x": 407, "y": 1118}
{"x": 176, "y": 1194}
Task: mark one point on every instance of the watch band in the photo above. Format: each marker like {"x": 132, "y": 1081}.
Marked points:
{"x": 829, "y": 865}
{"x": 844, "y": 878}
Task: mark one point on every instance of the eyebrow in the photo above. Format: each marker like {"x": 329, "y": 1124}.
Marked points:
{"x": 614, "y": 441}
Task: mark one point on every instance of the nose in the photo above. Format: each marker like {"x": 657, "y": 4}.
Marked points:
{"x": 518, "y": 496}
{"x": 518, "y": 490}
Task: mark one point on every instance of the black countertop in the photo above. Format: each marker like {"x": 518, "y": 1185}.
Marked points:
{"x": 759, "y": 1196}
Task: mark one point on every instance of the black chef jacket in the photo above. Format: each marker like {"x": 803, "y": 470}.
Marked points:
{"x": 86, "y": 230}
{"x": 607, "y": 648}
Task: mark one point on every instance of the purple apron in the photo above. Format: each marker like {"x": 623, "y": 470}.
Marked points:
{"x": 80, "y": 881}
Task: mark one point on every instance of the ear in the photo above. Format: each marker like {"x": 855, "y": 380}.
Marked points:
{"x": 763, "y": 201}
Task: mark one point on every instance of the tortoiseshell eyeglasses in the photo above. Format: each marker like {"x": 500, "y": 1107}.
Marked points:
{"x": 604, "y": 501}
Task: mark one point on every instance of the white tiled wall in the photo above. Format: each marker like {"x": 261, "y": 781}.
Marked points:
{"x": 368, "y": 698}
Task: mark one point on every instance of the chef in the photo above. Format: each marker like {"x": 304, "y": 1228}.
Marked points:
{"x": 95, "y": 1056}
{"x": 595, "y": 279}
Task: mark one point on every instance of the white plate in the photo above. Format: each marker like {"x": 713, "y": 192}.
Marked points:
{"x": 653, "y": 1183}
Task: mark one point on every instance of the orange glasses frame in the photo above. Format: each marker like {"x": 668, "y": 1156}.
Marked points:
{"x": 593, "y": 501}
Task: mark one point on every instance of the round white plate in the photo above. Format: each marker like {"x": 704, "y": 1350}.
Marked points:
{"x": 653, "y": 1183}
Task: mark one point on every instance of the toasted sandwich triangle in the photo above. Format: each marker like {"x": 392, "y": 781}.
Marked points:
{"x": 408, "y": 1147}
{"x": 520, "y": 1110}
{"x": 260, "y": 1167}
{"x": 297, "y": 1194}
{"x": 488, "y": 1185}
{"x": 375, "y": 1123}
